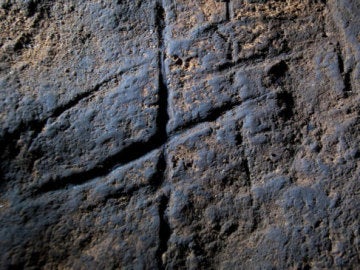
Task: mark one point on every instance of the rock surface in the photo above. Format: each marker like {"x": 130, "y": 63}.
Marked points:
{"x": 172, "y": 134}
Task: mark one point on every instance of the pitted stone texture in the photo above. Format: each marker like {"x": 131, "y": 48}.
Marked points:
{"x": 121, "y": 113}
{"x": 199, "y": 58}
{"x": 210, "y": 194}
{"x": 245, "y": 188}
{"x": 179, "y": 134}
{"x": 53, "y": 51}
{"x": 111, "y": 222}
{"x": 79, "y": 88}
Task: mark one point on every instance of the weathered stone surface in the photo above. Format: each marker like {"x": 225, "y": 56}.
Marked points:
{"x": 121, "y": 113}
{"x": 179, "y": 134}
{"x": 110, "y": 222}
{"x": 54, "y": 52}
{"x": 205, "y": 51}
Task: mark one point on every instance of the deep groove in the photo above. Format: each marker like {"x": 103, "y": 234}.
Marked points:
{"x": 160, "y": 24}
{"x": 164, "y": 230}
{"x": 212, "y": 115}
{"x": 340, "y": 58}
{"x": 229, "y": 54}
{"x": 60, "y": 110}
{"x": 227, "y": 10}
{"x": 130, "y": 154}
{"x": 162, "y": 117}
{"x": 347, "y": 82}
{"x": 72, "y": 103}
{"x": 346, "y": 75}
{"x": 255, "y": 208}
{"x": 38, "y": 124}
{"x": 162, "y": 121}
{"x": 135, "y": 150}
{"x": 158, "y": 178}
{"x": 125, "y": 156}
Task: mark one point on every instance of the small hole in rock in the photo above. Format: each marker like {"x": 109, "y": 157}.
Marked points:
{"x": 177, "y": 60}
